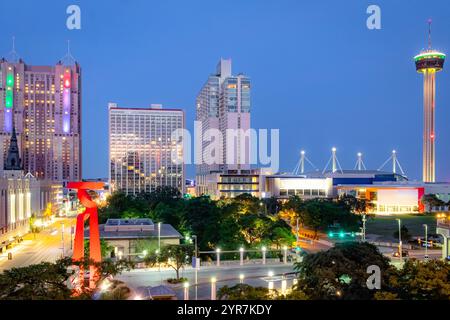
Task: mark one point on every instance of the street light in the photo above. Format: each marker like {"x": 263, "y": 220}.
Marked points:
{"x": 186, "y": 290}
{"x": 426, "y": 242}
{"x": 400, "y": 239}
{"x": 263, "y": 249}
{"x": 285, "y": 248}
{"x": 218, "y": 256}
{"x": 241, "y": 278}
{"x": 62, "y": 238}
{"x": 196, "y": 263}
{"x": 213, "y": 288}
{"x": 105, "y": 285}
{"x": 270, "y": 280}
{"x": 159, "y": 236}
{"x": 241, "y": 254}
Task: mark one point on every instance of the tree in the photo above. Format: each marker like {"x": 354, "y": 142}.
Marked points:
{"x": 419, "y": 280}
{"x": 50, "y": 281}
{"x": 176, "y": 256}
{"x": 105, "y": 248}
{"x": 273, "y": 205}
{"x": 254, "y": 227}
{"x": 244, "y": 292}
{"x": 43, "y": 281}
{"x": 406, "y": 236}
{"x": 247, "y": 204}
{"x": 432, "y": 201}
{"x": 356, "y": 205}
{"x": 341, "y": 272}
{"x": 162, "y": 194}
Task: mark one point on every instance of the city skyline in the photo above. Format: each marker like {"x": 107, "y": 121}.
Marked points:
{"x": 388, "y": 87}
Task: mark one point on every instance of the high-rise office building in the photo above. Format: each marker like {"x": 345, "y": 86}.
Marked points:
{"x": 141, "y": 149}
{"x": 43, "y": 103}
{"x": 222, "y": 104}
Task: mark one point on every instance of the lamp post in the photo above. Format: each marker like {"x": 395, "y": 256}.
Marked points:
{"x": 264, "y": 250}
{"x": 285, "y": 254}
{"x": 62, "y": 238}
{"x": 218, "y": 257}
{"x": 241, "y": 278}
{"x": 297, "y": 235}
{"x": 265, "y": 206}
{"x": 241, "y": 253}
{"x": 186, "y": 290}
{"x": 426, "y": 241}
{"x": 283, "y": 285}
{"x": 213, "y": 288}
{"x": 400, "y": 239}
{"x": 196, "y": 264}
{"x": 364, "y": 228}
{"x": 159, "y": 236}
{"x": 270, "y": 280}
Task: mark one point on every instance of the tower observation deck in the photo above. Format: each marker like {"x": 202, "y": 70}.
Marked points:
{"x": 429, "y": 62}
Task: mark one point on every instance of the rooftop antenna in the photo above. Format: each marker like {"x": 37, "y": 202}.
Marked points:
{"x": 335, "y": 162}
{"x": 68, "y": 59}
{"x": 359, "y": 162}
{"x": 395, "y": 163}
{"x": 300, "y": 166}
{"x": 14, "y": 57}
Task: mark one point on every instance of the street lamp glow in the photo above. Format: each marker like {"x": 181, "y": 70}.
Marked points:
{"x": 264, "y": 249}
{"x": 270, "y": 273}
{"x": 241, "y": 249}
{"x": 186, "y": 284}
{"x": 218, "y": 250}
{"x": 145, "y": 252}
{"x": 241, "y": 276}
{"x": 333, "y": 149}
{"x": 285, "y": 248}
{"x": 105, "y": 285}
{"x": 213, "y": 279}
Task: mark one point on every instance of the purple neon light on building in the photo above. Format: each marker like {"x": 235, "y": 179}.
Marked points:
{"x": 8, "y": 120}
{"x": 66, "y": 101}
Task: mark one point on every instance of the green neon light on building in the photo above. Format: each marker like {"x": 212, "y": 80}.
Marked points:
{"x": 9, "y": 98}
{"x": 10, "y": 80}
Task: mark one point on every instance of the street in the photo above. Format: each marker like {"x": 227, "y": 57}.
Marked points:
{"x": 225, "y": 275}
{"x": 43, "y": 246}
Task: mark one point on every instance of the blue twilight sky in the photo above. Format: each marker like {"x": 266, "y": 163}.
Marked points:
{"x": 318, "y": 73}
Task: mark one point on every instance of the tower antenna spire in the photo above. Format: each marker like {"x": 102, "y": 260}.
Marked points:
{"x": 430, "y": 21}
{"x": 68, "y": 59}
{"x": 13, "y": 54}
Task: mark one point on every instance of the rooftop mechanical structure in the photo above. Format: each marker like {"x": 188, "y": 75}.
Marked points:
{"x": 429, "y": 62}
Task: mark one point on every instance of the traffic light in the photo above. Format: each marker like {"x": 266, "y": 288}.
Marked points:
{"x": 341, "y": 234}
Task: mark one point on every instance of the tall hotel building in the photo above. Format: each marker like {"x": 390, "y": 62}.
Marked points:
{"x": 141, "y": 149}
{"x": 43, "y": 103}
{"x": 224, "y": 103}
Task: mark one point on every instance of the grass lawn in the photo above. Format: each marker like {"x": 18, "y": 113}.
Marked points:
{"x": 387, "y": 225}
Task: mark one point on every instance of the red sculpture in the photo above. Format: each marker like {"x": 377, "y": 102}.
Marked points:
{"x": 94, "y": 235}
